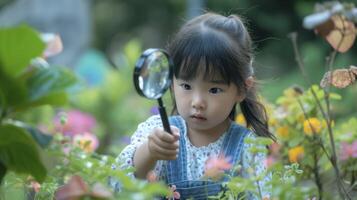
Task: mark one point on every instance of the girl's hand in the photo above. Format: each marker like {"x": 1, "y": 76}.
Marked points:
{"x": 162, "y": 145}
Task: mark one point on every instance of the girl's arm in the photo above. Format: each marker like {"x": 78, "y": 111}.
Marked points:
{"x": 149, "y": 144}
{"x": 160, "y": 145}
{"x": 137, "y": 143}
{"x": 143, "y": 161}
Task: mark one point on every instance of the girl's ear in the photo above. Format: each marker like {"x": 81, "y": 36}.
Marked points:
{"x": 249, "y": 82}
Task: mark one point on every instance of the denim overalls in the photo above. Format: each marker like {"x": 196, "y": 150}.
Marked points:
{"x": 177, "y": 169}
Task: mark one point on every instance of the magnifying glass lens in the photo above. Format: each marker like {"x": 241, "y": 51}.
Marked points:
{"x": 154, "y": 75}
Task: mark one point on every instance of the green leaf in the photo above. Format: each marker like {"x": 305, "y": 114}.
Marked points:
{"x": 49, "y": 80}
{"x": 2, "y": 172}
{"x": 17, "y": 47}
{"x": 54, "y": 99}
{"x": 19, "y": 152}
{"x": 296, "y": 141}
{"x": 12, "y": 91}
{"x": 335, "y": 96}
{"x": 41, "y": 138}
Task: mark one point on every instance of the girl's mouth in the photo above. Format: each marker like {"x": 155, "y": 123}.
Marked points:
{"x": 198, "y": 117}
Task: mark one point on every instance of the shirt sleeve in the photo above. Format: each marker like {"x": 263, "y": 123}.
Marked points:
{"x": 254, "y": 165}
{"x": 125, "y": 158}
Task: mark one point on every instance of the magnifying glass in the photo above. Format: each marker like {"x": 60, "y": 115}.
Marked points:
{"x": 152, "y": 78}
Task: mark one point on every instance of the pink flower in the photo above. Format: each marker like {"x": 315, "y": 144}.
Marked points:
{"x": 216, "y": 165}
{"x": 348, "y": 150}
{"x": 275, "y": 148}
{"x": 77, "y": 122}
{"x": 35, "y": 186}
{"x": 53, "y": 44}
{"x": 86, "y": 141}
{"x": 77, "y": 188}
{"x": 151, "y": 176}
{"x": 174, "y": 193}
{"x": 269, "y": 161}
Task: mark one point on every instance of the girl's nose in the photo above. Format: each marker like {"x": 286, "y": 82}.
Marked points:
{"x": 198, "y": 102}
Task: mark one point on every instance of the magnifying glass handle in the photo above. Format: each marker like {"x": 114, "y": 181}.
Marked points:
{"x": 163, "y": 115}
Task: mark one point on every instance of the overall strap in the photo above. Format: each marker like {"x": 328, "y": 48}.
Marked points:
{"x": 176, "y": 170}
{"x": 234, "y": 141}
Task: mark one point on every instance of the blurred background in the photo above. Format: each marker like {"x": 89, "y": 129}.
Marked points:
{"x": 103, "y": 39}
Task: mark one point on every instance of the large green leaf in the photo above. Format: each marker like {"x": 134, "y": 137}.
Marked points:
{"x": 49, "y": 80}
{"x": 2, "y": 172}
{"x": 19, "y": 152}
{"x": 40, "y": 137}
{"x": 12, "y": 91}
{"x": 18, "y": 46}
{"x": 54, "y": 99}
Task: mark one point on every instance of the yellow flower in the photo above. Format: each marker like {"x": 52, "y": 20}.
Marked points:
{"x": 240, "y": 119}
{"x": 301, "y": 118}
{"x": 283, "y": 131}
{"x": 296, "y": 154}
{"x": 314, "y": 123}
{"x": 293, "y": 92}
{"x": 88, "y": 142}
{"x": 272, "y": 121}
{"x": 324, "y": 124}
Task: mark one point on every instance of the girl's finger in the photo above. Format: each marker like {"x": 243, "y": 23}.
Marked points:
{"x": 175, "y": 132}
{"x": 163, "y": 144}
{"x": 167, "y": 137}
{"x": 161, "y": 152}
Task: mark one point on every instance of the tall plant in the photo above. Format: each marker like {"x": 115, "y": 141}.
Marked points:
{"x": 334, "y": 22}
{"x": 26, "y": 81}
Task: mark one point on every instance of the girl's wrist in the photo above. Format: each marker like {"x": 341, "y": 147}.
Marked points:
{"x": 143, "y": 161}
{"x": 150, "y": 156}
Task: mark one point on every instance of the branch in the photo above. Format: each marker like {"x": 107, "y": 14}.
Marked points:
{"x": 326, "y": 115}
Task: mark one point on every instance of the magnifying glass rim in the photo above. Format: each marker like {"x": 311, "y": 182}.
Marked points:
{"x": 139, "y": 65}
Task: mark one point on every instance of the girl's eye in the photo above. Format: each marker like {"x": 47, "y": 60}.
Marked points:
{"x": 215, "y": 90}
{"x": 185, "y": 86}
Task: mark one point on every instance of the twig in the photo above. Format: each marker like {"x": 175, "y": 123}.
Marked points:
{"x": 331, "y": 61}
{"x": 316, "y": 167}
{"x": 257, "y": 182}
{"x": 341, "y": 189}
{"x": 313, "y": 129}
{"x": 317, "y": 176}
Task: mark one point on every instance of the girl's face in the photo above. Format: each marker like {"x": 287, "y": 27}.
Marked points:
{"x": 205, "y": 104}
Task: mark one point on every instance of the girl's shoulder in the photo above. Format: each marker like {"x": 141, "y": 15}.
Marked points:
{"x": 242, "y": 129}
{"x": 248, "y": 134}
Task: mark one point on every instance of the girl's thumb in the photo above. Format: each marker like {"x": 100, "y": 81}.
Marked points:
{"x": 175, "y": 131}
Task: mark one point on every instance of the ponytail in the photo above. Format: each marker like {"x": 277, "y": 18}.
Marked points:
{"x": 255, "y": 115}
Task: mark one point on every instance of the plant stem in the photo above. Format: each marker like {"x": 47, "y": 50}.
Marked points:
{"x": 316, "y": 167}
{"x": 257, "y": 182}
{"x": 317, "y": 139}
{"x": 317, "y": 176}
{"x": 331, "y": 61}
{"x": 326, "y": 115}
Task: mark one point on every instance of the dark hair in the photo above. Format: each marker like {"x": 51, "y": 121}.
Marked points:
{"x": 215, "y": 44}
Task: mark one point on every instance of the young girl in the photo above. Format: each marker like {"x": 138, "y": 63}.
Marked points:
{"x": 213, "y": 73}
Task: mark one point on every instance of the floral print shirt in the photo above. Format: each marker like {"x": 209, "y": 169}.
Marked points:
{"x": 196, "y": 156}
